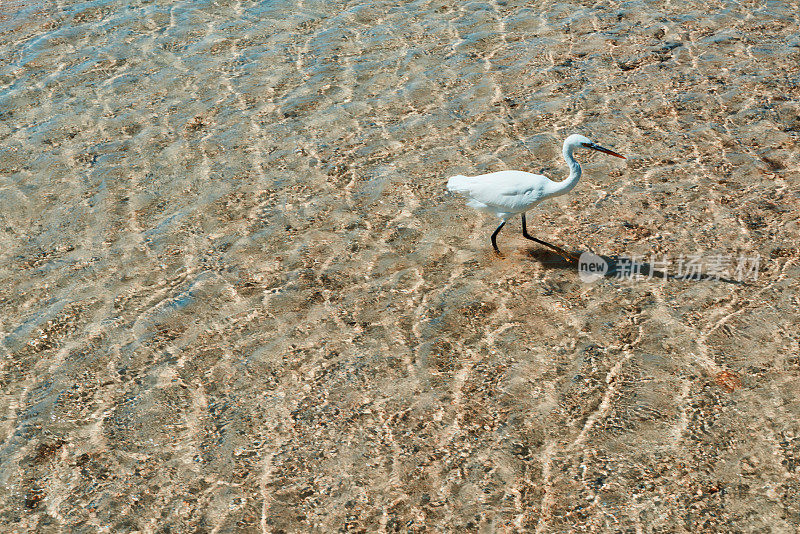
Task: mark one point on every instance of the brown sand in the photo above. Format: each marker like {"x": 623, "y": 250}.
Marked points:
{"x": 236, "y": 296}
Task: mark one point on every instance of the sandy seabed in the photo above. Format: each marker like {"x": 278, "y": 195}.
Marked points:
{"x": 237, "y": 297}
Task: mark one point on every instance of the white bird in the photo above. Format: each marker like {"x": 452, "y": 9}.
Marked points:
{"x": 506, "y": 193}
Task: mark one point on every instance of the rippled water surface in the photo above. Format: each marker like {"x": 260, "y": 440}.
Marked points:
{"x": 236, "y": 295}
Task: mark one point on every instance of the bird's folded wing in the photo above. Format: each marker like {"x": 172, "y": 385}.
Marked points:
{"x": 508, "y": 193}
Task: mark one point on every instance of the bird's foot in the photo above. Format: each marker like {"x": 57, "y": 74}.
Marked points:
{"x": 571, "y": 258}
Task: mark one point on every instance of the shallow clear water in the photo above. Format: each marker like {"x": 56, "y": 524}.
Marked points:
{"x": 236, "y": 295}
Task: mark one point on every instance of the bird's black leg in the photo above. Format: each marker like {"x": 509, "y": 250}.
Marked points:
{"x": 566, "y": 255}
{"x": 494, "y": 237}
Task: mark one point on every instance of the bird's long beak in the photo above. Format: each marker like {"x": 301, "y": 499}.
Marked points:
{"x": 604, "y": 150}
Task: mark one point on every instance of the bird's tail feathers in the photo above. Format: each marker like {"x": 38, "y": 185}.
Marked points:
{"x": 459, "y": 184}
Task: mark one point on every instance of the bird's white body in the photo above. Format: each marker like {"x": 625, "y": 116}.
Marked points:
{"x": 507, "y": 193}
{"x": 504, "y": 193}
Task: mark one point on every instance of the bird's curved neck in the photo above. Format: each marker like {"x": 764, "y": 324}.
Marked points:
{"x": 566, "y": 185}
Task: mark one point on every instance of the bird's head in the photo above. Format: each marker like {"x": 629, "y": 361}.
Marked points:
{"x": 579, "y": 141}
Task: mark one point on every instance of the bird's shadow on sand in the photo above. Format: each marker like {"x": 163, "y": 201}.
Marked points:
{"x": 621, "y": 267}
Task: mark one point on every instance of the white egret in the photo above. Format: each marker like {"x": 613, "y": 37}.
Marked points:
{"x": 506, "y": 193}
